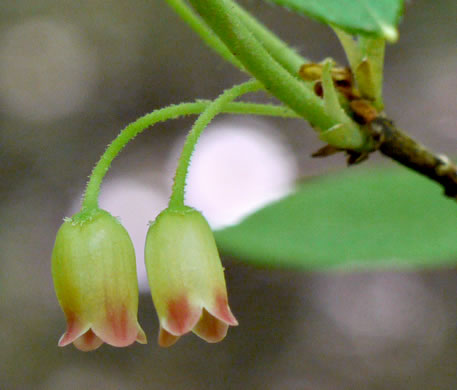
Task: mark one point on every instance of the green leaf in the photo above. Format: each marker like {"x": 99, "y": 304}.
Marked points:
{"x": 359, "y": 219}
{"x": 366, "y": 17}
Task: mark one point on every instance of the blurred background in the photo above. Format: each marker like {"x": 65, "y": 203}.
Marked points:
{"x": 73, "y": 73}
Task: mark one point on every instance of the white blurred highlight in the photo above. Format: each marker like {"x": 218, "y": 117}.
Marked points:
{"x": 47, "y": 70}
{"x": 238, "y": 166}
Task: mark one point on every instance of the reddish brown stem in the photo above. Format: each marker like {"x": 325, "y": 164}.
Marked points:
{"x": 400, "y": 147}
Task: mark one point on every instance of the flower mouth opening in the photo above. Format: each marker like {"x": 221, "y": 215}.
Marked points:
{"x": 182, "y": 318}
{"x": 116, "y": 329}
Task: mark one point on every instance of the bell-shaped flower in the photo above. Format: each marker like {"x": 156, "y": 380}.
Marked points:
{"x": 186, "y": 277}
{"x": 94, "y": 272}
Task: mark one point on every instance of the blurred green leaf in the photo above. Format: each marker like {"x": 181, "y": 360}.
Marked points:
{"x": 378, "y": 218}
{"x": 368, "y": 17}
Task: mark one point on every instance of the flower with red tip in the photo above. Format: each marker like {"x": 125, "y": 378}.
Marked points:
{"x": 186, "y": 277}
{"x": 94, "y": 273}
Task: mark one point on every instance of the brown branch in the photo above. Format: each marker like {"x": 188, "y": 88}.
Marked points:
{"x": 397, "y": 145}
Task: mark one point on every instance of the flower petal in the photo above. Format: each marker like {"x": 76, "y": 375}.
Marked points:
{"x": 118, "y": 327}
{"x": 182, "y": 316}
{"x": 88, "y": 341}
{"x": 141, "y": 336}
{"x": 74, "y": 330}
{"x": 166, "y": 339}
{"x": 210, "y": 328}
{"x": 221, "y": 310}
